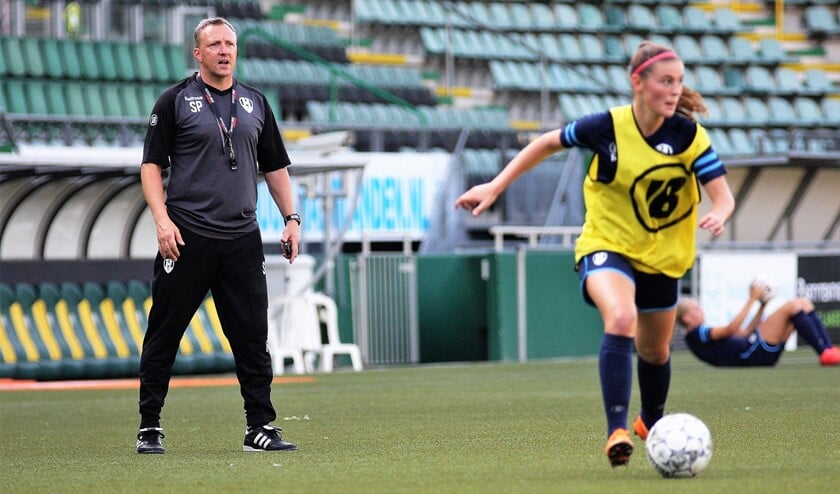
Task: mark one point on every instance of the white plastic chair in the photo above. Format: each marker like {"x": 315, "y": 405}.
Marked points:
{"x": 328, "y": 314}
{"x": 295, "y": 333}
{"x": 285, "y": 338}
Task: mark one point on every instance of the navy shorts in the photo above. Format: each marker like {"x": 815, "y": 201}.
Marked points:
{"x": 654, "y": 292}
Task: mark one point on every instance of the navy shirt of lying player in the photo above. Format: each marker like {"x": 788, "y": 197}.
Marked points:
{"x": 732, "y": 351}
{"x": 185, "y": 137}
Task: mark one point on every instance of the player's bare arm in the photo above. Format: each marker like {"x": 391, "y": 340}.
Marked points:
{"x": 482, "y": 196}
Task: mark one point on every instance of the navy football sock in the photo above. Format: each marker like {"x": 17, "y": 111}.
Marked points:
{"x": 654, "y": 381}
{"x": 811, "y": 330}
{"x": 615, "y": 366}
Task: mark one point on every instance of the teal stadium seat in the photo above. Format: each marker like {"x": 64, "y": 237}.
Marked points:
{"x": 33, "y": 62}
{"x": 12, "y": 51}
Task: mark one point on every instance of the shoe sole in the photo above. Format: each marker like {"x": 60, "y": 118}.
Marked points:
{"x": 152, "y": 452}
{"x": 619, "y": 454}
{"x": 249, "y": 449}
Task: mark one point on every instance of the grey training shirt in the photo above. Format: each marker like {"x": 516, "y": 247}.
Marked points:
{"x": 203, "y": 193}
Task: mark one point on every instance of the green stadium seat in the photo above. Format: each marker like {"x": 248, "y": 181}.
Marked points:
{"x": 107, "y": 59}
{"x": 714, "y": 49}
{"x": 89, "y": 64}
{"x": 17, "y": 362}
{"x": 125, "y": 65}
{"x": 4, "y": 69}
{"x": 99, "y": 312}
{"x": 787, "y": 81}
{"x": 817, "y": 81}
{"x": 696, "y": 21}
{"x": 159, "y": 67}
{"x": 641, "y": 18}
{"x": 741, "y": 50}
{"x": 721, "y": 142}
{"x": 688, "y": 48}
{"x": 808, "y": 112}
{"x": 781, "y": 111}
{"x": 56, "y": 99}
{"x": 756, "y": 111}
{"x": 668, "y": 19}
{"x": 36, "y": 98}
{"x": 771, "y": 51}
{"x": 12, "y": 51}
{"x": 733, "y": 111}
{"x": 92, "y": 94}
{"x": 831, "y": 110}
{"x": 112, "y": 100}
{"x": 16, "y": 96}
{"x": 726, "y": 20}
{"x": 51, "y": 55}
{"x": 733, "y": 80}
{"x": 73, "y": 364}
{"x": 32, "y": 57}
{"x": 759, "y": 79}
{"x": 46, "y": 338}
{"x": 714, "y": 113}
{"x": 741, "y": 142}
{"x": 75, "y": 98}
{"x": 70, "y": 61}
{"x": 177, "y": 63}
{"x": 142, "y": 60}
{"x": 130, "y": 98}
{"x": 565, "y": 16}
{"x": 591, "y": 18}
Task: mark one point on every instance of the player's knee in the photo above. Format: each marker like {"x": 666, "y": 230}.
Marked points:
{"x": 801, "y": 304}
{"x": 620, "y": 322}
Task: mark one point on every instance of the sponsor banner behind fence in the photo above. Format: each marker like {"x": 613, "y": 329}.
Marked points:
{"x": 397, "y": 196}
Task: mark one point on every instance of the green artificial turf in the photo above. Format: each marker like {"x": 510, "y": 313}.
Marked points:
{"x": 488, "y": 427}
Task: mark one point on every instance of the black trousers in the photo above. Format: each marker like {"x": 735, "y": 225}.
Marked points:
{"x": 234, "y": 272}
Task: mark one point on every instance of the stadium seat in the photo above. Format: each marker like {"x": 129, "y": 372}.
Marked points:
{"x": 781, "y": 112}
{"x": 726, "y": 20}
{"x": 669, "y": 19}
{"x": 808, "y": 112}
{"x": 742, "y": 144}
{"x": 51, "y": 56}
{"x": 12, "y": 51}
{"x": 817, "y": 81}
{"x": 106, "y": 60}
{"x": 733, "y": 110}
{"x": 756, "y": 111}
{"x": 641, "y": 18}
{"x": 591, "y": 18}
{"x": 831, "y": 110}
{"x": 714, "y": 49}
{"x": 787, "y": 81}
{"x": 721, "y": 142}
{"x": 741, "y": 51}
{"x": 759, "y": 80}
{"x": 696, "y": 21}
{"x": 565, "y": 16}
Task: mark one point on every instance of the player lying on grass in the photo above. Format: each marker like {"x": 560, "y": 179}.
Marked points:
{"x": 759, "y": 343}
{"x": 762, "y": 340}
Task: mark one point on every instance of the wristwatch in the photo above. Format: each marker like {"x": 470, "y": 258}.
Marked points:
{"x": 292, "y": 217}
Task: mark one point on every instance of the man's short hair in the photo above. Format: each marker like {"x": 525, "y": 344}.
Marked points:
{"x": 212, "y": 21}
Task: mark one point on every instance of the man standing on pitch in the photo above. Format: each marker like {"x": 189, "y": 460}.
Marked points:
{"x": 212, "y": 135}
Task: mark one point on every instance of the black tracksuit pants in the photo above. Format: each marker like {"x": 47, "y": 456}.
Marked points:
{"x": 234, "y": 272}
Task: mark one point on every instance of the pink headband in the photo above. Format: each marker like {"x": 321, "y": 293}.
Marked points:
{"x": 660, "y": 56}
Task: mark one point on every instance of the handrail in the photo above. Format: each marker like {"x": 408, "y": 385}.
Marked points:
{"x": 533, "y": 233}
{"x": 333, "y": 69}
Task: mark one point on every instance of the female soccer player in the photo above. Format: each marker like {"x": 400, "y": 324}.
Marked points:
{"x": 641, "y": 193}
{"x": 759, "y": 343}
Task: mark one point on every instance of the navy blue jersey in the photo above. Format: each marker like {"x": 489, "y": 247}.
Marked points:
{"x": 204, "y": 192}
{"x": 732, "y": 351}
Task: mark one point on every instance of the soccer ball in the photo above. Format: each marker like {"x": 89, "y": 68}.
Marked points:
{"x": 679, "y": 445}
